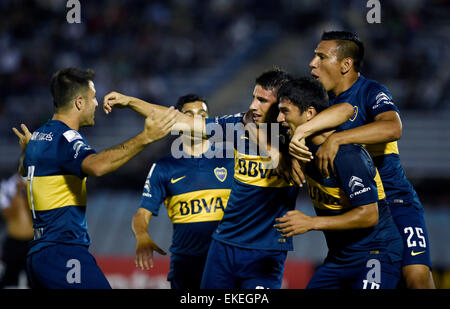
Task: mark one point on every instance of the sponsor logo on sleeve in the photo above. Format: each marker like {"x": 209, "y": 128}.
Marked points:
{"x": 382, "y": 98}
{"x": 354, "y": 184}
{"x": 79, "y": 146}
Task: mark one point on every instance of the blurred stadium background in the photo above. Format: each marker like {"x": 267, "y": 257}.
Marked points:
{"x": 159, "y": 50}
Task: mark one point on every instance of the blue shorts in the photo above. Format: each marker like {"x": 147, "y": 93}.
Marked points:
{"x": 410, "y": 222}
{"x": 186, "y": 271}
{"x": 64, "y": 266}
{"x": 230, "y": 267}
{"x": 371, "y": 273}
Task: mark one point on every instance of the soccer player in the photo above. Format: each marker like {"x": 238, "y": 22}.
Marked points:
{"x": 246, "y": 251}
{"x": 195, "y": 189}
{"x": 375, "y": 123}
{"x": 365, "y": 248}
{"x": 57, "y": 161}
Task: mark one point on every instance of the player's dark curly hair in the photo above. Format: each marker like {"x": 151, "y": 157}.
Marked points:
{"x": 189, "y": 98}
{"x": 273, "y": 79}
{"x": 349, "y": 45}
{"x": 304, "y": 92}
{"x": 68, "y": 83}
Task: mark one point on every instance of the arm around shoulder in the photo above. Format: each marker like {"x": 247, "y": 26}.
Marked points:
{"x": 329, "y": 118}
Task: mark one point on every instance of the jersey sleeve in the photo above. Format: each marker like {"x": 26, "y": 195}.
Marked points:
{"x": 220, "y": 123}
{"x": 154, "y": 192}
{"x": 74, "y": 149}
{"x": 379, "y": 100}
{"x": 356, "y": 173}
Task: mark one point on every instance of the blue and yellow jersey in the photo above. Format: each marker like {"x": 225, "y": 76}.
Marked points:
{"x": 195, "y": 191}
{"x": 56, "y": 185}
{"x": 258, "y": 195}
{"x": 355, "y": 183}
{"x": 369, "y": 99}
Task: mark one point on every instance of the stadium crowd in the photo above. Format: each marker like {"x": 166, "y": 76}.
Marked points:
{"x": 143, "y": 46}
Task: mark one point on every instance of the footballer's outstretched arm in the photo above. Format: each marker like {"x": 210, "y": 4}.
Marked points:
{"x": 183, "y": 122}
{"x": 295, "y": 222}
{"x": 111, "y": 159}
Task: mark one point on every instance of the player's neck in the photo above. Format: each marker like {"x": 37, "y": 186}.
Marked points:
{"x": 345, "y": 83}
{"x": 71, "y": 122}
{"x": 196, "y": 148}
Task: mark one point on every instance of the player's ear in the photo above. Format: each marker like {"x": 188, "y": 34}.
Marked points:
{"x": 310, "y": 113}
{"x": 79, "y": 102}
{"x": 346, "y": 65}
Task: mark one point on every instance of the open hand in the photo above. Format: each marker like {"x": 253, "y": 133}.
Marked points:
{"x": 325, "y": 156}
{"x": 160, "y": 123}
{"x": 24, "y": 137}
{"x": 144, "y": 252}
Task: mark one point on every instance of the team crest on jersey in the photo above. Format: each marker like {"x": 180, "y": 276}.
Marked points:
{"x": 355, "y": 113}
{"x": 221, "y": 173}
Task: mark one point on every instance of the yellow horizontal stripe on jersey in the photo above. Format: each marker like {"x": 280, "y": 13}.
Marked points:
{"x": 51, "y": 192}
{"x": 335, "y": 198}
{"x": 323, "y": 197}
{"x": 197, "y": 206}
{"x": 377, "y": 150}
{"x": 253, "y": 170}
